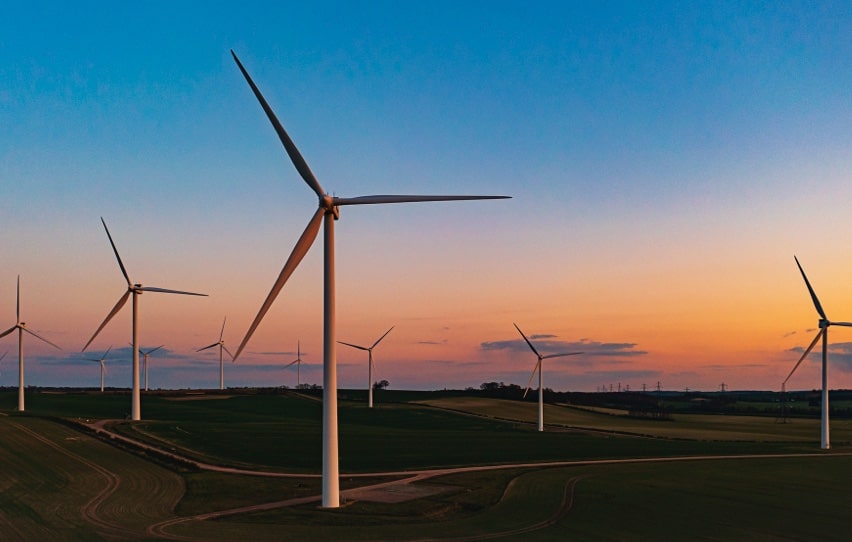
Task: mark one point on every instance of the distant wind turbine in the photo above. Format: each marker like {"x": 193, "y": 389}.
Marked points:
{"x": 101, "y": 360}
{"x": 540, "y": 379}
{"x": 145, "y": 361}
{"x": 824, "y": 324}
{"x": 135, "y": 290}
{"x": 326, "y": 214}
{"x": 221, "y": 345}
{"x": 370, "y": 365}
{"x": 21, "y": 327}
{"x": 297, "y": 362}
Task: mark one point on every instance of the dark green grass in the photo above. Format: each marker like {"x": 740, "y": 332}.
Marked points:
{"x": 283, "y": 432}
{"x": 753, "y": 499}
{"x": 736, "y": 500}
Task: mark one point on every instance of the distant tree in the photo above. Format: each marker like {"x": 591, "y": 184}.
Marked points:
{"x": 381, "y": 384}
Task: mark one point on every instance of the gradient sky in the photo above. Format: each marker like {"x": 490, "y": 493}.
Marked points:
{"x": 666, "y": 161}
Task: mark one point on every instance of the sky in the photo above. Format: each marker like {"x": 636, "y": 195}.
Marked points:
{"x": 666, "y": 161}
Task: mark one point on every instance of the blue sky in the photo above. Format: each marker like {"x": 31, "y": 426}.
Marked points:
{"x": 666, "y": 160}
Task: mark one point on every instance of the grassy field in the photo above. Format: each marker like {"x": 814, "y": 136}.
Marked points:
{"x": 62, "y": 484}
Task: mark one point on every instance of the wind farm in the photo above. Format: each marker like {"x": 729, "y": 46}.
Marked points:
{"x": 623, "y": 184}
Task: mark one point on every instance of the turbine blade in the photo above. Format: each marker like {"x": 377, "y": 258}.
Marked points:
{"x": 117, "y": 257}
{"x": 289, "y": 146}
{"x": 811, "y": 290}
{"x": 537, "y": 367}
{"x": 378, "y": 199}
{"x": 37, "y": 336}
{"x": 225, "y": 348}
{"x": 527, "y": 340}
{"x": 107, "y": 352}
{"x": 4, "y": 355}
{"x": 167, "y": 291}
{"x": 561, "y": 355}
{"x": 382, "y": 337}
{"x": 121, "y": 301}
{"x": 10, "y": 330}
{"x": 18, "y": 301}
{"x": 222, "y": 333}
{"x": 154, "y": 349}
{"x": 844, "y": 324}
{"x": 206, "y": 347}
{"x": 302, "y": 245}
{"x": 355, "y": 346}
{"x": 807, "y": 351}
{"x": 291, "y": 363}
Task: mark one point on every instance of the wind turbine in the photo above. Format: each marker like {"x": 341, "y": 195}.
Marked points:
{"x": 297, "y": 361}
{"x": 327, "y": 212}
{"x": 135, "y": 290}
{"x": 370, "y": 364}
{"x": 540, "y": 380}
{"x": 221, "y": 345}
{"x": 145, "y": 361}
{"x": 21, "y": 327}
{"x": 824, "y": 324}
{"x": 101, "y": 360}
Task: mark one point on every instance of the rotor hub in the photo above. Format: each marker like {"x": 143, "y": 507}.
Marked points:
{"x": 823, "y": 323}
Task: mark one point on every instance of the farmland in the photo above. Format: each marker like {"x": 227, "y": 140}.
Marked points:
{"x": 63, "y": 483}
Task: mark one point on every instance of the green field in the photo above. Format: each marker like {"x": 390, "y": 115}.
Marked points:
{"x": 62, "y": 483}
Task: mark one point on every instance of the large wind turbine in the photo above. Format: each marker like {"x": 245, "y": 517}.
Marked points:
{"x": 135, "y": 290}
{"x": 540, "y": 379}
{"x": 21, "y": 327}
{"x": 370, "y": 365}
{"x": 101, "y": 360}
{"x": 145, "y": 361}
{"x": 824, "y": 324}
{"x": 297, "y": 362}
{"x": 326, "y": 214}
{"x": 221, "y": 345}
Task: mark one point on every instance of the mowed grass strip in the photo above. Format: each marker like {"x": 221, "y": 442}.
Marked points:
{"x": 48, "y": 484}
{"x": 682, "y": 426}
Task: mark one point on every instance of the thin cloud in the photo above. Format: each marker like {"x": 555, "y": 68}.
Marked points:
{"x": 588, "y": 347}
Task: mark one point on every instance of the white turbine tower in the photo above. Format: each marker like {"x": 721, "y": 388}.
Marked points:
{"x": 21, "y": 327}
{"x": 145, "y": 361}
{"x": 221, "y": 344}
{"x": 135, "y": 290}
{"x": 540, "y": 379}
{"x": 297, "y": 362}
{"x": 370, "y": 365}
{"x": 326, "y": 214}
{"x": 101, "y": 360}
{"x": 824, "y": 324}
